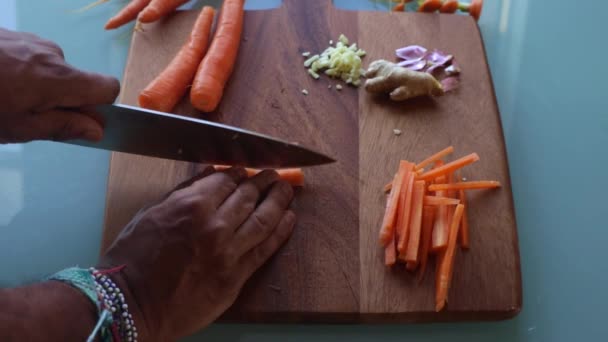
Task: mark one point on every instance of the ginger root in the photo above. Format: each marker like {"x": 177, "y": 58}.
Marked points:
{"x": 384, "y": 77}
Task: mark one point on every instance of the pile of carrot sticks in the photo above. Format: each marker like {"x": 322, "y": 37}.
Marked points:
{"x": 426, "y": 215}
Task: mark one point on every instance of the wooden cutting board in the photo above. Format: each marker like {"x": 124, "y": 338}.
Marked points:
{"x": 331, "y": 270}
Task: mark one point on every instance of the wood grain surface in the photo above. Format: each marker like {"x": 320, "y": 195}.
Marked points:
{"x": 331, "y": 270}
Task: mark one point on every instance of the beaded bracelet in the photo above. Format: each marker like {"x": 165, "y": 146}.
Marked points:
{"x": 115, "y": 323}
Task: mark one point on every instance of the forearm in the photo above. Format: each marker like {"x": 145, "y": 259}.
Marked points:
{"x": 48, "y": 311}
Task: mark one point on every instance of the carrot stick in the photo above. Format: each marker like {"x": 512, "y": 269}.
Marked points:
{"x": 127, "y": 14}
{"x": 216, "y": 67}
{"x": 464, "y": 229}
{"x": 435, "y": 157}
{"x": 428, "y": 215}
{"x": 158, "y": 9}
{"x": 465, "y": 185}
{"x": 402, "y": 201}
{"x": 390, "y": 252}
{"x": 413, "y": 243}
{"x": 440, "y": 227}
{"x": 390, "y": 217}
{"x": 294, "y": 176}
{"x": 388, "y": 187}
{"x": 447, "y": 262}
{"x": 406, "y": 209}
{"x": 169, "y": 87}
{"x": 436, "y": 200}
{"x": 449, "y": 167}
{"x": 430, "y": 6}
{"x": 449, "y": 6}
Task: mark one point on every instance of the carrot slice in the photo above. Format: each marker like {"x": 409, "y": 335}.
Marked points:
{"x": 465, "y": 185}
{"x": 406, "y": 210}
{"x": 440, "y": 227}
{"x": 428, "y": 216}
{"x": 449, "y": 167}
{"x": 435, "y": 157}
{"x": 436, "y": 200}
{"x": 464, "y": 229}
{"x": 447, "y": 262}
{"x": 128, "y": 13}
{"x": 413, "y": 243}
{"x": 216, "y": 68}
{"x": 169, "y": 87}
{"x": 402, "y": 201}
{"x": 294, "y": 176}
{"x": 390, "y": 217}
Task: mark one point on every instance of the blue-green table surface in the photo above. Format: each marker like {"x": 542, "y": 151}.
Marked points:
{"x": 547, "y": 62}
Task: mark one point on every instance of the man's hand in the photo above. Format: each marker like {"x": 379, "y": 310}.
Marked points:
{"x": 188, "y": 257}
{"x": 42, "y": 97}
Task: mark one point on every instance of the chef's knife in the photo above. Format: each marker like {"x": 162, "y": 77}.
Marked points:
{"x": 151, "y": 133}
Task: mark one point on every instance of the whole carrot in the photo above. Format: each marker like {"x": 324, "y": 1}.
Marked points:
{"x": 430, "y": 6}
{"x": 169, "y": 87}
{"x": 216, "y": 67}
{"x": 159, "y": 8}
{"x": 127, "y": 14}
{"x": 475, "y": 8}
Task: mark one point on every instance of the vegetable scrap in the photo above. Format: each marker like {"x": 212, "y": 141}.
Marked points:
{"x": 397, "y": 132}
{"x": 401, "y": 83}
{"x": 442, "y": 6}
{"x": 293, "y": 176}
{"x": 425, "y": 216}
{"x": 304, "y": 91}
{"x": 342, "y": 61}
{"x": 437, "y": 63}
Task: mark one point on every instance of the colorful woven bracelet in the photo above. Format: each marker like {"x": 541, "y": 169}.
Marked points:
{"x": 115, "y": 323}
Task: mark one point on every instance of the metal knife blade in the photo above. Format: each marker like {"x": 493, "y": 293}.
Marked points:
{"x": 151, "y": 133}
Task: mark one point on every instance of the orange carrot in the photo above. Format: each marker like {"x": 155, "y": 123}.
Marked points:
{"x": 436, "y": 200}
{"x": 413, "y": 243}
{"x": 428, "y": 215}
{"x": 127, "y": 14}
{"x": 158, "y": 9}
{"x": 390, "y": 252}
{"x": 388, "y": 187}
{"x": 411, "y": 265}
{"x": 435, "y": 157}
{"x": 430, "y": 6}
{"x": 216, "y": 67}
{"x": 440, "y": 227}
{"x": 402, "y": 201}
{"x": 406, "y": 209}
{"x": 294, "y": 176}
{"x": 447, "y": 262}
{"x": 449, "y": 167}
{"x": 399, "y": 7}
{"x": 169, "y": 87}
{"x": 475, "y": 9}
{"x": 390, "y": 217}
{"x": 465, "y": 185}
{"x": 449, "y": 6}
{"x": 464, "y": 229}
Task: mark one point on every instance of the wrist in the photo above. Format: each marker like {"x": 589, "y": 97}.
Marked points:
{"x": 144, "y": 334}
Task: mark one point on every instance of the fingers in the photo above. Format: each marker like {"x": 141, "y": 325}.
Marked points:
{"x": 241, "y": 203}
{"x": 262, "y": 222}
{"x": 218, "y": 186}
{"x": 58, "y": 125}
{"x": 256, "y": 257}
{"x": 74, "y": 88}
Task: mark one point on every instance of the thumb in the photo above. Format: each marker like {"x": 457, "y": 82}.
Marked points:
{"x": 62, "y": 125}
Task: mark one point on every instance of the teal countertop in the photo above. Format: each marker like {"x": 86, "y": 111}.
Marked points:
{"x": 546, "y": 59}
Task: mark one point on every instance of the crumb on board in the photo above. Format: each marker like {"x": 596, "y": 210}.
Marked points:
{"x": 397, "y": 131}
{"x": 304, "y": 91}
{"x": 274, "y": 287}
{"x": 329, "y": 86}
{"x": 464, "y": 179}
{"x": 338, "y": 87}
{"x": 331, "y": 42}
{"x": 306, "y": 54}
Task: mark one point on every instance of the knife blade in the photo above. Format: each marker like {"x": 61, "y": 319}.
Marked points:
{"x": 146, "y": 132}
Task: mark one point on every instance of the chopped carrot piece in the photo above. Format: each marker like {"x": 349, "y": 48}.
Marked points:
{"x": 390, "y": 252}
{"x": 390, "y": 217}
{"x": 411, "y": 265}
{"x": 449, "y": 167}
{"x": 294, "y": 176}
{"x": 440, "y": 227}
{"x": 436, "y": 200}
{"x": 428, "y": 215}
{"x": 446, "y": 265}
{"x": 388, "y": 186}
{"x": 465, "y": 185}
{"x": 435, "y": 157}
{"x": 402, "y": 202}
{"x": 406, "y": 211}
{"x": 413, "y": 243}
{"x": 464, "y": 229}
